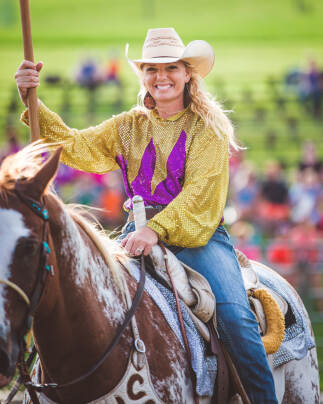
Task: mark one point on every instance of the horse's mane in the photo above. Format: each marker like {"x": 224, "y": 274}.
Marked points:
{"x": 25, "y": 164}
{"x": 111, "y": 252}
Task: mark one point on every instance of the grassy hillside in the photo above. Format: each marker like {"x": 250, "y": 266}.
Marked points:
{"x": 123, "y": 20}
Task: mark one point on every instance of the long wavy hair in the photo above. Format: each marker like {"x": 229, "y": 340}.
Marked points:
{"x": 205, "y": 105}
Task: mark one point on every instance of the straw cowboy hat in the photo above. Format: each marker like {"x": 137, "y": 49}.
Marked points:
{"x": 163, "y": 45}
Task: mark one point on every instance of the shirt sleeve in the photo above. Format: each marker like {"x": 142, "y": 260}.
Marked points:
{"x": 192, "y": 217}
{"x": 92, "y": 149}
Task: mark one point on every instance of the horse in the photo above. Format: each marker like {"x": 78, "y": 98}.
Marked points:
{"x": 81, "y": 302}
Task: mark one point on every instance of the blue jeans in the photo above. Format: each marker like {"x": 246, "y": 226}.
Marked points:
{"x": 237, "y": 325}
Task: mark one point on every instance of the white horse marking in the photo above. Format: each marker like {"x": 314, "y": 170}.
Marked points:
{"x": 302, "y": 380}
{"x": 178, "y": 385}
{"x": 91, "y": 268}
{"x": 12, "y": 228}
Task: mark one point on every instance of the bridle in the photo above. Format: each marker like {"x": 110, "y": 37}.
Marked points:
{"x": 45, "y": 269}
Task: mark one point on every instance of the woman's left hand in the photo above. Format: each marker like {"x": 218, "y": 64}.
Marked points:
{"x": 140, "y": 241}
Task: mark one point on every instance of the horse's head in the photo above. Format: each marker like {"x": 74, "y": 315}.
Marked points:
{"x": 21, "y": 247}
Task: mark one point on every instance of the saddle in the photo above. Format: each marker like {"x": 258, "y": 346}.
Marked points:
{"x": 195, "y": 291}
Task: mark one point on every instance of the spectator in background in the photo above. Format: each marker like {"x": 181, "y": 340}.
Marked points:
{"x": 273, "y": 207}
{"x": 305, "y": 238}
{"x": 111, "y": 75}
{"x": 88, "y": 74}
{"x": 293, "y": 78}
{"x": 309, "y": 158}
{"x": 111, "y": 199}
{"x": 320, "y": 211}
{"x": 305, "y": 195}
{"x": 308, "y": 85}
{"x": 89, "y": 77}
{"x": 313, "y": 77}
{"x": 306, "y": 192}
{"x": 245, "y": 239}
{"x": 280, "y": 256}
{"x": 245, "y": 190}
{"x": 111, "y": 71}
{"x": 236, "y": 160}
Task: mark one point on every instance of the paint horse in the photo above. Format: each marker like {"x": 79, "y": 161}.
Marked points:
{"x": 81, "y": 304}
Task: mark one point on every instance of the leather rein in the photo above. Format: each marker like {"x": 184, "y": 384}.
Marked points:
{"x": 42, "y": 277}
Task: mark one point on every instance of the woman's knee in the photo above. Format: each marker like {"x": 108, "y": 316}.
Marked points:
{"x": 236, "y": 318}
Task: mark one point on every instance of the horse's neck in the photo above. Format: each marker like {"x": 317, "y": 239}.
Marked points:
{"x": 88, "y": 305}
{"x": 83, "y": 271}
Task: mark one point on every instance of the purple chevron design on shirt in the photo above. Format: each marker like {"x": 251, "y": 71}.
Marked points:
{"x": 167, "y": 189}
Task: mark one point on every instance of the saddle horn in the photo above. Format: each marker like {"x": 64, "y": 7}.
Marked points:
{"x": 139, "y": 212}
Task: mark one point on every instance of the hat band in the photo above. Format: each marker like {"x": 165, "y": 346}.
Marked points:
{"x": 163, "y": 51}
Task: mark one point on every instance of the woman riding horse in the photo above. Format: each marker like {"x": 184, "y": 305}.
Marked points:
{"x": 173, "y": 150}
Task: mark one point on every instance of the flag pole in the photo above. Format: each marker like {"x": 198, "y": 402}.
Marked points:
{"x": 29, "y": 55}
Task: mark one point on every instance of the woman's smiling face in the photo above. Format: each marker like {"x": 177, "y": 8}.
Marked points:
{"x": 165, "y": 81}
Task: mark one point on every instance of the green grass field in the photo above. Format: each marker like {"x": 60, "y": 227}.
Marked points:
{"x": 79, "y": 22}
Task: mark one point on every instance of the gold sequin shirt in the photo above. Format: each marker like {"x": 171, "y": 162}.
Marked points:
{"x": 175, "y": 162}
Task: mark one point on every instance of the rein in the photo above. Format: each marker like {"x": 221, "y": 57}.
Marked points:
{"x": 124, "y": 325}
{"x": 17, "y": 289}
{"x": 181, "y": 322}
{"x": 32, "y": 303}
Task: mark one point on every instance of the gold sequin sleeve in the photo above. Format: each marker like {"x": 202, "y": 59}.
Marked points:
{"x": 192, "y": 217}
{"x": 92, "y": 149}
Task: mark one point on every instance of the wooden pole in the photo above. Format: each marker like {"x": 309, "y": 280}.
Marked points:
{"x": 29, "y": 55}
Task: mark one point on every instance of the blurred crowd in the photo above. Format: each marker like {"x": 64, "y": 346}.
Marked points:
{"x": 307, "y": 84}
{"x": 276, "y": 218}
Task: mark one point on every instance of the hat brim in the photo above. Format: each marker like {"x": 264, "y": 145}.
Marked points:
{"x": 199, "y": 54}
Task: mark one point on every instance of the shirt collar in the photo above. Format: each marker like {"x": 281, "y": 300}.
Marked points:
{"x": 175, "y": 117}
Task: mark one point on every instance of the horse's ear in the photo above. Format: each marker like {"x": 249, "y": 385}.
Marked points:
{"x": 37, "y": 185}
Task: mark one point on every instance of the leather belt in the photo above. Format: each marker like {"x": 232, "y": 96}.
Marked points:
{"x": 150, "y": 213}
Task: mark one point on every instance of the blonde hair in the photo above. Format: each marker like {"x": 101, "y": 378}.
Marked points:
{"x": 206, "y": 106}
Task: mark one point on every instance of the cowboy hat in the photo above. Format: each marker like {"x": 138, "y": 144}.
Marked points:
{"x": 163, "y": 45}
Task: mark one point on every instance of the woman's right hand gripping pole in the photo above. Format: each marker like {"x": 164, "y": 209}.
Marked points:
{"x": 27, "y": 76}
